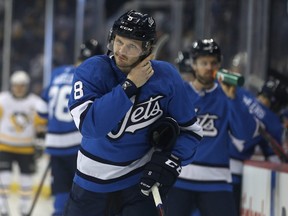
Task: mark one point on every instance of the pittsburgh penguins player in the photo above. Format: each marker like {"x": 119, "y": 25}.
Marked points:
{"x": 114, "y": 101}
{"x": 17, "y": 134}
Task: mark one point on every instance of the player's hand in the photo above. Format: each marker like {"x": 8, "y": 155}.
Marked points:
{"x": 229, "y": 90}
{"x": 163, "y": 133}
{"x": 162, "y": 170}
{"x": 140, "y": 74}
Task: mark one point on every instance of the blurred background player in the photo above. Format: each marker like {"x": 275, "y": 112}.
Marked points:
{"x": 63, "y": 139}
{"x": 17, "y": 134}
{"x": 284, "y": 120}
{"x": 206, "y": 182}
{"x": 265, "y": 108}
{"x": 183, "y": 62}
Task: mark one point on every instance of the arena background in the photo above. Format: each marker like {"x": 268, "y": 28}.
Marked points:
{"x": 37, "y": 35}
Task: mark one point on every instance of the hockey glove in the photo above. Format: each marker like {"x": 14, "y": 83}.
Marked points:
{"x": 163, "y": 133}
{"x": 162, "y": 170}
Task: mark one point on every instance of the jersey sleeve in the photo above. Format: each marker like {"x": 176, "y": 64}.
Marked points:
{"x": 95, "y": 107}
{"x": 181, "y": 107}
{"x": 242, "y": 124}
{"x": 42, "y": 106}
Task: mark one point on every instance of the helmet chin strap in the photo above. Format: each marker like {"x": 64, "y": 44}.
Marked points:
{"x": 142, "y": 57}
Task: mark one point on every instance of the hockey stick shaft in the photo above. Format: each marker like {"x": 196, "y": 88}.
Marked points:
{"x": 159, "y": 44}
{"x": 157, "y": 200}
{"x": 277, "y": 148}
{"x": 155, "y": 191}
{"x": 39, "y": 189}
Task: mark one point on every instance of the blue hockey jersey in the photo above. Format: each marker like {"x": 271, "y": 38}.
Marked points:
{"x": 219, "y": 116}
{"x": 115, "y": 144}
{"x": 62, "y": 137}
{"x": 267, "y": 119}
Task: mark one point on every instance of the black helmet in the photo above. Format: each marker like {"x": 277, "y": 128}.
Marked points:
{"x": 90, "y": 48}
{"x": 205, "y": 47}
{"x": 183, "y": 62}
{"x": 134, "y": 25}
{"x": 276, "y": 91}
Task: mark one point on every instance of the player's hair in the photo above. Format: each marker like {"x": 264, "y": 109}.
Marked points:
{"x": 90, "y": 48}
{"x": 205, "y": 47}
{"x": 134, "y": 25}
{"x": 19, "y": 77}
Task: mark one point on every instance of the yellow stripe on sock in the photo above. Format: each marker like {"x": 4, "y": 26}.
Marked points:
{"x": 45, "y": 192}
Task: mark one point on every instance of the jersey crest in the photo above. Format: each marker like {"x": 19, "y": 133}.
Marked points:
{"x": 19, "y": 121}
{"x": 139, "y": 116}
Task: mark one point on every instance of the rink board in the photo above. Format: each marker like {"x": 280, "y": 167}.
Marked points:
{"x": 264, "y": 189}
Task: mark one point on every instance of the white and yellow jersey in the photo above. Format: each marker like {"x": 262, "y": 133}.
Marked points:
{"x": 17, "y": 118}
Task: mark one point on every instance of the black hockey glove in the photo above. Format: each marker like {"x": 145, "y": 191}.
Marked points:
{"x": 163, "y": 133}
{"x": 163, "y": 170}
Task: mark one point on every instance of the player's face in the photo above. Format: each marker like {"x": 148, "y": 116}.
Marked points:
{"x": 205, "y": 68}
{"x": 126, "y": 52}
{"x": 19, "y": 90}
{"x": 264, "y": 100}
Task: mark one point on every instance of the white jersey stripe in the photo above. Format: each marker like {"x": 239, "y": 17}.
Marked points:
{"x": 63, "y": 140}
{"x": 103, "y": 171}
{"x": 202, "y": 173}
{"x": 195, "y": 128}
{"x": 77, "y": 111}
{"x": 236, "y": 166}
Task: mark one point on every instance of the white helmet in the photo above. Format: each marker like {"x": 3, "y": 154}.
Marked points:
{"x": 19, "y": 77}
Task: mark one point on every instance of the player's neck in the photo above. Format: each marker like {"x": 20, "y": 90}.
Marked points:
{"x": 199, "y": 86}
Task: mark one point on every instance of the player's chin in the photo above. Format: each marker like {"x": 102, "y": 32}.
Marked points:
{"x": 121, "y": 56}
{"x": 122, "y": 64}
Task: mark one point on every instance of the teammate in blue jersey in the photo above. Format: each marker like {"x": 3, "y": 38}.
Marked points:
{"x": 273, "y": 95}
{"x": 63, "y": 139}
{"x": 114, "y": 102}
{"x": 206, "y": 182}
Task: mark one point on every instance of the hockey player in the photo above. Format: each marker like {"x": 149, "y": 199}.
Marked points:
{"x": 272, "y": 96}
{"x": 114, "y": 102}
{"x": 206, "y": 182}
{"x": 63, "y": 139}
{"x": 183, "y": 62}
{"x": 17, "y": 133}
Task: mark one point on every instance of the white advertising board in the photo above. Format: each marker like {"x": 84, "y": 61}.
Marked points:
{"x": 256, "y": 191}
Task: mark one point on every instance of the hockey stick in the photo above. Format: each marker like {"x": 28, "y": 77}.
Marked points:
{"x": 277, "y": 148}
{"x": 39, "y": 189}
{"x": 157, "y": 200}
{"x": 155, "y": 191}
{"x": 159, "y": 44}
